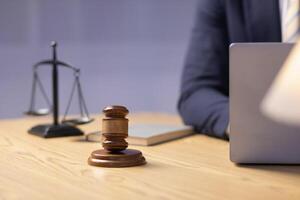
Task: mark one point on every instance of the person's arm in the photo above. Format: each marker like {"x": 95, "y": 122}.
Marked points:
{"x": 203, "y": 100}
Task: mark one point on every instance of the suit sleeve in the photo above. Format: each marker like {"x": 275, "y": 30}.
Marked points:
{"x": 203, "y": 101}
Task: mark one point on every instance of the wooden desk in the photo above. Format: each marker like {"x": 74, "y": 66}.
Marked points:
{"x": 195, "y": 167}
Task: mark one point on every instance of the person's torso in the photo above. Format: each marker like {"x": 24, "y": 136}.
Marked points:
{"x": 252, "y": 20}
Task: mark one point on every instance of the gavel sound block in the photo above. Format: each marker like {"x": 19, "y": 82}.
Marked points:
{"x": 115, "y": 152}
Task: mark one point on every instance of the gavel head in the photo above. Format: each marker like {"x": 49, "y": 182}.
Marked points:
{"x": 115, "y": 128}
{"x": 115, "y": 111}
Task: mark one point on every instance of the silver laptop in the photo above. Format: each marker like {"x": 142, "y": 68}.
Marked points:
{"x": 255, "y": 138}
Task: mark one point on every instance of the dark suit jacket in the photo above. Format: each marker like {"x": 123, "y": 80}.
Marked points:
{"x": 204, "y": 94}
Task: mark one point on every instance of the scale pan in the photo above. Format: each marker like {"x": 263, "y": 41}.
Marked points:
{"x": 38, "y": 112}
{"x": 78, "y": 121}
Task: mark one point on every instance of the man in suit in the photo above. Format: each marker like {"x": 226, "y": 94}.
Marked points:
{"x": 204, "y": 101}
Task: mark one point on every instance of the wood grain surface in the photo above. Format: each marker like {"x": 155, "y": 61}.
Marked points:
{"x": 195, "y": 167}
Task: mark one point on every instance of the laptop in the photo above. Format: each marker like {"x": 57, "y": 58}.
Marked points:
{"x": 255, "y": 138}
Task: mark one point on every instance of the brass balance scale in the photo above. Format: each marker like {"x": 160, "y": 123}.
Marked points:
{"x": 67, "y": 127}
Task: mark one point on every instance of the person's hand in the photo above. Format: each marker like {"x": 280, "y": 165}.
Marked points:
{"x": 228, "y": 129}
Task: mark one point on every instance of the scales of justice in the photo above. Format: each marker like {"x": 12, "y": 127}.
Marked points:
{"x": 65, "y": 127}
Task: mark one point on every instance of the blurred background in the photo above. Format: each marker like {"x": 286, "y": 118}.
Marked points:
{"x": 130, "y": 52}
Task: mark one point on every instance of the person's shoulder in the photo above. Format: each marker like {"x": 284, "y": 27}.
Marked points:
{"x": 211, "y": 7}
{"x": 211, "y": 3}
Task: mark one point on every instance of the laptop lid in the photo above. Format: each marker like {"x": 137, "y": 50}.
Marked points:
{"x": 255, "y": 138}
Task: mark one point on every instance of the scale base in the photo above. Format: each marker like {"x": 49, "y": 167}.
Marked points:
{"x": 50, "y": 130}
